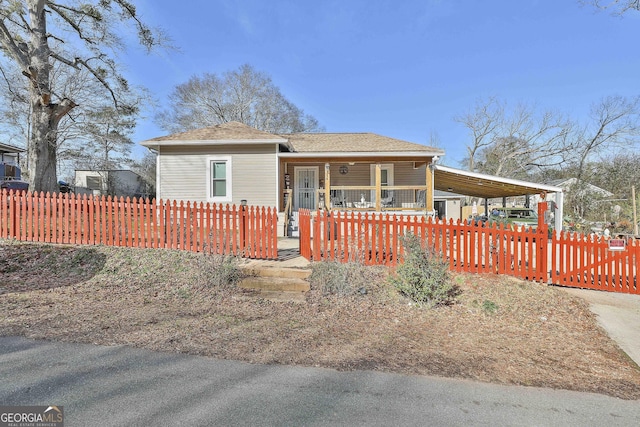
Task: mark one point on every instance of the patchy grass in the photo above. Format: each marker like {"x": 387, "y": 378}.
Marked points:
{"x": 499, "y": 330}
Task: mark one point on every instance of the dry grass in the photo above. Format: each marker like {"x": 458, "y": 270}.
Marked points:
{"x": 501, "y": 330}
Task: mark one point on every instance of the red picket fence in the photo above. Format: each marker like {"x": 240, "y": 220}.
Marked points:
{"x": 66, "y": 218}
{"x": 568, "y": 259}
{"x": 578, "y": 260}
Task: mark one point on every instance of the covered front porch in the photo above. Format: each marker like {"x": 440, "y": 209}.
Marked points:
{"x": 357, "y": 185}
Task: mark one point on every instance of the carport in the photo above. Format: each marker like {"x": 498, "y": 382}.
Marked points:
{"x": 488, "y": 187}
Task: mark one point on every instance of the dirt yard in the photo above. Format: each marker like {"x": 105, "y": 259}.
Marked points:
{"x": 501, "y": 330}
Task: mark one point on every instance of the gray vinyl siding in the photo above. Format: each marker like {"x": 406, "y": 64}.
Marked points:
{"x": 360, "y": 173}
{"x": 405, "y": 174}
{"x": 183, "y": 174}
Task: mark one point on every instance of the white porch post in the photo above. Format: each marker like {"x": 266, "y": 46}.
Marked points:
{"x": 378, "y": 186}
{"x": 327, "y": 186}
{"x": 559, "y": 212}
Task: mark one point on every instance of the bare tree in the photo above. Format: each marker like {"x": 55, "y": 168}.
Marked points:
{"x": 614, "y": 123}
{"x": 146, "y": 168}
{"x": 37, "y": 35}
{"x": 482, "y": 123}
{"x": 514, "y": 143}
{"x": 108, "y": 132}
{"x": 244, "y": 95}
{"x": 619, "y": 7}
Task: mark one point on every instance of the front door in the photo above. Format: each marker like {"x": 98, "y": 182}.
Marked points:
{"x": 386, "y": 179}
{"x": 305, "y": 185}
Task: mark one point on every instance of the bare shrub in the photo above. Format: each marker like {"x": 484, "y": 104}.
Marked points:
{"x": 346, "y": 279}
{"x": 423, "y": 276}
{"x": 219, "y": 270}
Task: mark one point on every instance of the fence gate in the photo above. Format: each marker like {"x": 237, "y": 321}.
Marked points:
{"x": 580, "y": 261}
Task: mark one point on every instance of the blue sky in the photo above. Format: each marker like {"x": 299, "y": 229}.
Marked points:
{"x": 403, "y": 69}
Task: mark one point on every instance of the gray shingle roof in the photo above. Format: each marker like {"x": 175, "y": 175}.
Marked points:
{"x": 222, "y": 132}
{"x": 352, "y": 142}
{"x": 299, "y": 142}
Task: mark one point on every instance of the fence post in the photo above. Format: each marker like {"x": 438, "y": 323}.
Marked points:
{"x": 243, "y": 225}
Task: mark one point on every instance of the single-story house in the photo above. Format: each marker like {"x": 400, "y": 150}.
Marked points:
{"x": 113, "y": 182}
{"x": 568, "y": 184}
{"x": 232, "y": 163}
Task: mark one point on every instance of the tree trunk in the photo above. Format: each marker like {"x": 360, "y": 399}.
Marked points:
{"x": 45, "y": 115}
{"x": 42, "y": 151}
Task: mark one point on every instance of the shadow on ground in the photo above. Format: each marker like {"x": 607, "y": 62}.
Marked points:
{"x": 28, "y": 267}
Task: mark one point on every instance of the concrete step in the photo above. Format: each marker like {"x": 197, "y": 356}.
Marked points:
{"x": 278, "y": 272}
{"x": 276, "y": 284}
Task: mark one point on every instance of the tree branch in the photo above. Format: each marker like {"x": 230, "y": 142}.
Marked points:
{"x": 100, "y": 78}
{"x": 58, "y": 9}
{"x": 12, "y": 48}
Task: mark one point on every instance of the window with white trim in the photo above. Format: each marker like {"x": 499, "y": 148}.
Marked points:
{"x": 219, "y": 179}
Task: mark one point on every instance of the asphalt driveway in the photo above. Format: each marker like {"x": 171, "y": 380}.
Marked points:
{"x": 116, "y": 386}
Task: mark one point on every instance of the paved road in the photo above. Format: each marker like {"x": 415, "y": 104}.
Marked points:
{"x": 117, "y": 386}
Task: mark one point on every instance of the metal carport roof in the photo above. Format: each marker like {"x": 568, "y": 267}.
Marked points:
{"x": 489, "y": 186}
{"x": 484, "y": 186}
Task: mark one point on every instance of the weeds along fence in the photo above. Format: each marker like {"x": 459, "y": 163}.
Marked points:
{"x": 567, "y": 259}
{"x": 246, "y": 231}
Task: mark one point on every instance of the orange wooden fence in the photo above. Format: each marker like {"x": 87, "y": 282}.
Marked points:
{"x": 567, "y": 259}
{"x": 584, "y": 261}
{"x": 66, "y": 218}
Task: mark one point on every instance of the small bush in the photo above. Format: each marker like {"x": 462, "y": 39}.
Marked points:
{"x": 424, "y": 276}
{"x": 351, "y": 278}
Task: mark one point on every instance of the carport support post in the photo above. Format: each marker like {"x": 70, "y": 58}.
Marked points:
{"x": 541, "y": 243}
{"x": 559, "y": 214}
{"x": 635, "y": 214}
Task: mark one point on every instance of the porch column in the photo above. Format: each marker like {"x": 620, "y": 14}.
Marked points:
{"x": 429, "y": 193}
{"x": 378, "y": 186}
{"x": 327, "y": 186}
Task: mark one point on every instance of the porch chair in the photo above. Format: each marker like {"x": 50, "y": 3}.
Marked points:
{"x": 338, "y": 199}
{"x": 387, "y": 202}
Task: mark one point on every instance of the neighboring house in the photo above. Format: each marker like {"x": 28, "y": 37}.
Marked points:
{"x": 568, "y": 186}
{"x": 232, "y": 162}
{"x": 10, "y": 172}
{"x": 568, "y": 183}
{"x": 120, "y": 183}
{"x": 448, "y": 205}
{"x": 583, "y": 197}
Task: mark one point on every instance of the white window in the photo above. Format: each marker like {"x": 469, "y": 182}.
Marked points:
{"x": 219, "y": 179}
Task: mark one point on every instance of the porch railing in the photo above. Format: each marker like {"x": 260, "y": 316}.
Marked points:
{"x": 372, "y": 198}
